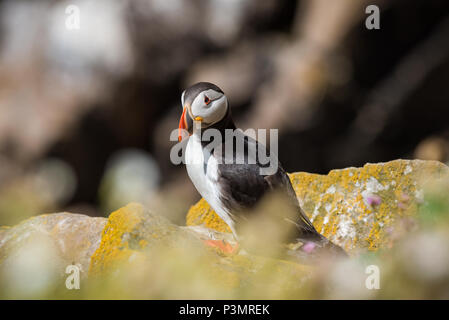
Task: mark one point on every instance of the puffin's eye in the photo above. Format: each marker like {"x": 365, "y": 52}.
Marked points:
{"x": 206, "y": 100}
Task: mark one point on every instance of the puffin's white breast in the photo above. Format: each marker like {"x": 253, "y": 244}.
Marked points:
{"x": 205, "y": 177}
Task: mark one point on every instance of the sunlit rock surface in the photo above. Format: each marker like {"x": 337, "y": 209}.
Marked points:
{"x": 135, "y": 253}
{"x": 357, "y": 208}
{"x": 73, "y": 237}
{"x": 131, "y": 229}
{"x": 35, "y": 254}
{"x": 136, "y": 239}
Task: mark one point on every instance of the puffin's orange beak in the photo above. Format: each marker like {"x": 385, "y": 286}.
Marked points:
{"x": 182, "y": 124}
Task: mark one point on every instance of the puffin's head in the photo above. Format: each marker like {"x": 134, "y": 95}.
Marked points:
{"x": 204, "y": 102}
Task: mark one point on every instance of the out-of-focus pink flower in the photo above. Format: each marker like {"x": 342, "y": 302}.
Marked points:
{"x": 309, "y": 247}
{"x": 373, "y": 200}
{"x": 402, "y": 205}
{"x": 405, "y": 197}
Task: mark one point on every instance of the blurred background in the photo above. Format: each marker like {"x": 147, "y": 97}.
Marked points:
{"x": 86, "y": 113}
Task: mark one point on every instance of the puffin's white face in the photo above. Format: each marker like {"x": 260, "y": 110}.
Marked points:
{"x": 209, "y": 107}
{"x": 204, "y": 102}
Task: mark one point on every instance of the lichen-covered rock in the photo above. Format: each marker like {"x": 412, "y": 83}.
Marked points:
{"x": 137, "y": 254}
{"x": 357, "y": 208}
{"x": 133, "y": 254}
{"x": 131, "y": 229}
{"x": 133, "y": 233}
{"x": 67, "y": 237}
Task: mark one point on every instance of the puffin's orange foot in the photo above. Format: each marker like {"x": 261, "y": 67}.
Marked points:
{"x": 223, "y": 246}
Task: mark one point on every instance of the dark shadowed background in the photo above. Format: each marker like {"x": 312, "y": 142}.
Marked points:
{"x": 86, "y": 114}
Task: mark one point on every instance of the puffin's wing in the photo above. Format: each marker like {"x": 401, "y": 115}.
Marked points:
{"x": 281, "y": 181}
{"x": 242, "y": 185}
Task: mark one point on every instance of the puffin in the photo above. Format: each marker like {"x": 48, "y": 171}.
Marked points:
{"x": 234, "y": 182}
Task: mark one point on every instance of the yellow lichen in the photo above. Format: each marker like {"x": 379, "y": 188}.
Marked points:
{"x": 205, "y": 216}
{"x": 114, "y": 247}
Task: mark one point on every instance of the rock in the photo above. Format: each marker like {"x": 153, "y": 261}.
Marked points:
{"x": 357, "y": 208}
{"x": 132, "y": 229}
{"x": 136, "y": 239}
{"x": 130, "y": 249}
{"x": 138, "y": 254}
{"x": 72, "y": 238}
